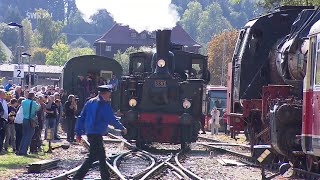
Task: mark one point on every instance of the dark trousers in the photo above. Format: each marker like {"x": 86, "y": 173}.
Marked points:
{"x": 3, "y": 124}
{"x": 18, "y": 128}
{"x": 28, "y": 132}
{"x": 36, "y": 140}
{"x": 71, "y": 122}
{"x": 96, "y": 152}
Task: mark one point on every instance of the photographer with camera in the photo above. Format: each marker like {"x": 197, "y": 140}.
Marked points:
{"x": 70, "y": 110}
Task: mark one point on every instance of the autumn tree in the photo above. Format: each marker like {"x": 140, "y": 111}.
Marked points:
{"x": 220, "y": 51}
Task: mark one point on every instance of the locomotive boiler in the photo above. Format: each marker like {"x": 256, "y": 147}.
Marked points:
{"x": 276, "y": 98}
{"x": 161, "y": 97}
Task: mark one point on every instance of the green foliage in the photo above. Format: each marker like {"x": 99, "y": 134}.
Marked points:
{"x": 79, "y": 43}
{"x": 58, "y": 55}
{"x": 211, "y": 15}
{"x": 80, "y": 52}
{"x": 61, "y": 53}
{"x": 271, "y": 4}
{"x": 27, "y": 33}
{"x": 48, "y": 29}
{"x": 9, "y": 36}
{"x": 38, "y": 55}
{"x": 102, "y": 21}
{"x": 3, "y": 56}
{"x": 123, "y": 58}
{"x": 191, "y": 17}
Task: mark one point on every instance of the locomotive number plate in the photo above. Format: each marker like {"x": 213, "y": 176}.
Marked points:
{"x": 160, "y": 83}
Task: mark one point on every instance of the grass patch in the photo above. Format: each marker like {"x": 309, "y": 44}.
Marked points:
{"x": 11, "y": 161}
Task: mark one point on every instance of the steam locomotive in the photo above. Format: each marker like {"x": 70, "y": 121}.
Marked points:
{"x": 274, "y": 86}
{"x": 161, "y": 97}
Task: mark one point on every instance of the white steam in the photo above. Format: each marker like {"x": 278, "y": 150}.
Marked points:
{"x": 140, "y": 15}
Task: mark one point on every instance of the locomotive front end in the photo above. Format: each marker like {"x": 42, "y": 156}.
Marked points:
{"x": 161, "y": 106}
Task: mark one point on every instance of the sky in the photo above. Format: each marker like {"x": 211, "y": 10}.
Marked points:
{"x": 140, "y": 15}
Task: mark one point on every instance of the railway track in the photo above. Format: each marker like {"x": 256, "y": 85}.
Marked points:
{"x": 139, "y": 164}
{"x": 219, "y": 146}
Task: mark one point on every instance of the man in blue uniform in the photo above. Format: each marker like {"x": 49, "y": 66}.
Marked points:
{"x": 94, "y": 119}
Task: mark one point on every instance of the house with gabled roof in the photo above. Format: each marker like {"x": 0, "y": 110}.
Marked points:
{"x": 122, "y": 37}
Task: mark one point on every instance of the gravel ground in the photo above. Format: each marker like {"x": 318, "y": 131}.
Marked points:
{"x": 241, "y": 139}
{"x": 70, "y": 158}
{"x": 207, "y": 167}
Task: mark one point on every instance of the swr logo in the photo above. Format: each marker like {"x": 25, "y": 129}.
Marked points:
{"x": 37, "y": 15}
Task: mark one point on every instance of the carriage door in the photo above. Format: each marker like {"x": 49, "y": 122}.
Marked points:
{"x": 316, "y": 99}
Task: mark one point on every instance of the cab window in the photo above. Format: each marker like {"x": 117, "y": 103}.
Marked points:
{"x": 197, "y": 68}
{"x": 138, "y": 65}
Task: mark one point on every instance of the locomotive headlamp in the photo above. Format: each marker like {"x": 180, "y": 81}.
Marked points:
{"x": 186, "y": 104}
{"x": 161, "y": 63}
{"x": 132, "y": 102}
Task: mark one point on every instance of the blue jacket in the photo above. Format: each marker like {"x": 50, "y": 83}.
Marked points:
{"x": 88, "y": 122}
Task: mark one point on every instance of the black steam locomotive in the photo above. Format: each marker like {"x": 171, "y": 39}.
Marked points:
{"x": 161, "y": 98}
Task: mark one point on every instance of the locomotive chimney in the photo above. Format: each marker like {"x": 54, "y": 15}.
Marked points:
{"x": 162, "y": 58}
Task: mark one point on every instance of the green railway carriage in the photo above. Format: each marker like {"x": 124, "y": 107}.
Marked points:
{"x": 81, "y": 75}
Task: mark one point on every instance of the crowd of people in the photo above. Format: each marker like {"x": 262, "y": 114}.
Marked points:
{"x": 26, "y": 112}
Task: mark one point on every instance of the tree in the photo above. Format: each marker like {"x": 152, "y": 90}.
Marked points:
{"x": 102, "y": 20}
{"x": 3, "y": 56}
{"x": 27, "y": 33}
{"x": 48, "y": 29}
{"x": 58, "y": 55}
{"x": 227, "y": 40}
{"x": 10, "y": 38}
{"x": 270, "y": 4}
{"x": 211, "y": 22}
{"x": 191, "y": 17}
{"x": 80, "y": 52}
{"x": 123, "y": 58}
{"x": 38, "y": 55}
{"x": 79, "y": 43}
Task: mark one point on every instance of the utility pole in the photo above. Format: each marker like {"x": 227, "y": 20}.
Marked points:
{"x": 29, "y": 74}
{"x": 223, "y": 59}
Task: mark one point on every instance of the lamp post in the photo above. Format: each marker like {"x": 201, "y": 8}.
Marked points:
{"x": 15, "y": 25}
{"x": 29, "y": 75}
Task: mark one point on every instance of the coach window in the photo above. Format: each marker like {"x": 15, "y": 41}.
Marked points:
{"x": 317, "y": 56}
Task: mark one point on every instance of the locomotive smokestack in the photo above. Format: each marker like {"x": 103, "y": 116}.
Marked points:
{"x": 163, "y": 57}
